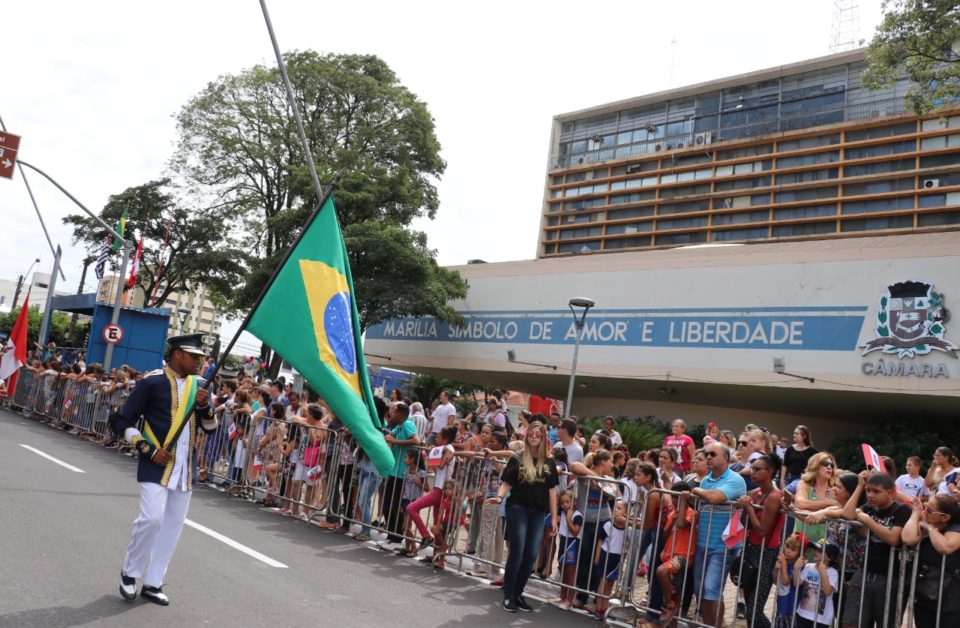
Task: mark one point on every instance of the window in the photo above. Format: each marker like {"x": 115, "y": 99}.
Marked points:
{"x": 805, "y": 195}
{"x": 933, "y": 220}
{"x": 881, "y": 131}
{"x": 881, "y": 149}
{"x": 687, "y": 190}
{"x": 742, "y": 217}
{"x": 696, "y": 158}
{"x": 748, "y": 151}
{"x": 626, "y": 243}
{"x": 809, "y": 142}
{"x": 579, "y": 247}
{"x": 752, "y": 166}
{"x": 807, "y": 176}
{"x": 743, "y": 184}
{"x": 630, "y": 227}
{"x": 741, "y": 201}
{"x": 757, "y": 233}
{"x": 810, "y": 211}
{"x": 816, "y": 228}
{"x": 681, "y": 223}
{"x": 633, "y": 197}
{"x": 640, "y": 183}
{"x": 940, "y": 200}
{"x": 556, "y": 180}
{"x": 682, "y": 208}
{"x": 906, "y": 163}
{"x": 878, "y": 187}
{"x": 588, "y": 232}
{"x": 868, "y": 224}
{"x": 683, "y": 238}
{"x": 576, "y": 177}
{"x": 574, "y": 206}
{"x": 940, "y": 160}
{"x": 809, "y": 160}
{"x": 878, "y": 205}
{"x": 689, "y": 175}
{"x": 574, "y": 219}
{"x": 938, "y": 143}
{"x": 630, "y": 212}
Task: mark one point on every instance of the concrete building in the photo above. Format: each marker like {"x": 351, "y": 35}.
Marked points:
{"x": 191, "y": 312}
{"x": 38, "y": 285}
{"x": 784, "y": 248}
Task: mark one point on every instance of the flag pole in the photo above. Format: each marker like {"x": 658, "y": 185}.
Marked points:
{"x": 273, "y": 276}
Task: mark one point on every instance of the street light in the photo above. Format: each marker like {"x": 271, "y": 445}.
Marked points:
{"x": 586, "y": 304}
{"x": 16, "y": 295}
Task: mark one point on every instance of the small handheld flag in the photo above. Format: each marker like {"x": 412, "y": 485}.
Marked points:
{"x": 871, "y": 457}
{"x": 734, "y": 533}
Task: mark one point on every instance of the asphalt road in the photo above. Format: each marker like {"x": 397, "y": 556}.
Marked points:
{"x": 63, "y": 534}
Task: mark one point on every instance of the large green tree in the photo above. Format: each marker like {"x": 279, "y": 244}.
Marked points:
{"x": 920, "y": 38}
{"x": 188, "y": 246}
{"x": 238, "y": 144}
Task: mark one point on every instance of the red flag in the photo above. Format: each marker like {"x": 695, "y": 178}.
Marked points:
{"x": 13, "y": 355}
{"x": 135, "y": 265}
{"x": 872, "y": 458}
{"x": 734, "y": 533}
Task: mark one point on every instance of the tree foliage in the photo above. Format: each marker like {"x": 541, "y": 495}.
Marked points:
{"x": 59, "y": 324}
{"x": 198, "y": 244}
{"x": 238, "y": 143}
{"x": 920, "y": 38}
{"x": 899, "y": 438}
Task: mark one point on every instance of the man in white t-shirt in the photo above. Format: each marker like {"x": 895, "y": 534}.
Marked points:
{"x": 567, "y": 434}
{"x": 443, "y": 416}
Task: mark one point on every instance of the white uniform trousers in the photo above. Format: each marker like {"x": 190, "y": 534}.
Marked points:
{"x": 155, "y": 532}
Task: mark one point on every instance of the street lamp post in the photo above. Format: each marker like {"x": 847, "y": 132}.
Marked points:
{"x": 24, "y": 277}
{"x": 578, "y": 320}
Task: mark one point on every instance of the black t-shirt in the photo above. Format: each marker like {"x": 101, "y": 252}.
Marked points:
{"x": 932, "y": 560}
{"x": 532, "y": 492}
{"x": 796, "y": 461}
{"x": 878, "y": 557}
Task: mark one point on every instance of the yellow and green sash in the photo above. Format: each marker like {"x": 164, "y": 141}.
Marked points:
{"x": 179, "y": 413}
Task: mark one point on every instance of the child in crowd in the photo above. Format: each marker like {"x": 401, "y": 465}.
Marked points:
{"x": 571, "y": 522}
{"x": 786, "y": 589}
{"x": 677, "y": 552}
{"x": 444, "y": 470}
{"x": 414, "y": 478}
{"x": 441, "y": 528}
{"x": 608, "y": 556}
{"x": 815, "y": 586}
{"x": 712, "y": 435}
{"x": 911, "y": 483}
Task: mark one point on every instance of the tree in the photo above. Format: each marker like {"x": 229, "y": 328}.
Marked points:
{"x": 920, "y": 38}
{"x": 57, "y": 333}
{"x": 238, "y": 144}
{"x": 189, "y": 246}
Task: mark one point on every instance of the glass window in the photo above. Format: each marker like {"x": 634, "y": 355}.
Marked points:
{"x": 753, "y": 166}
{"x": 877, "y": 205}
{"x": 809, "y": 211}
{"x": 809, "y": 142}
{"x": 630, "y": 227}
{"x": 860, "y": 170}
{"x": 808, "y": 175}
{"x": 881, "y": 131}
{"x": 748, "y": 151}
{"x": 630, "y": 212}
{"x": 943, "y": 218}
{"x": 626, "y": 243}
{"x": 878, "y": 187}
{"x": 556, "y": 193}
{"x": 877, "y": 150}
{"x": 574, "y": 206}
{"x": 576, "y": 177}
{"x": 587, "y": 232}
{"x": 743, "y": 184}
{"x": 933, "y": 143}
{"x": 868, "y": 224}
{"x": 625, "y": 138}
{"x": 724, "y": 171}
{"x": 805, "y": 195}
{"x": 633, "y": 197}
{"x": 643, "y": 166}
{"x": 686, "y": 190}
{"x": 681, "y": 223}
{"x": 641, "y": 182}
{"x": 696, "y": 237}
{"x": 756, "y": 233}
{"x": 933, "y": 200}
{"x": 556, "y": 180}
{"x": 809, "y": 160}
{"x": 733, "y": 219}
{"x": 573, "y": 219}
{"x": 940, "y": 160}
{"x": 579, "y": 247}
{"x": 814, "y": 228}
{"x": 682, "y": 208}
{"x": 552, "y": 221}
{"x": 696, "y": 158}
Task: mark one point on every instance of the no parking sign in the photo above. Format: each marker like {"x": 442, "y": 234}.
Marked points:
{"x": 112, "y": 333}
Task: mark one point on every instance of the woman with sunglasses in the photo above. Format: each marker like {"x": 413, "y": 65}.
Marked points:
{"x": 817, "y": 490}
{"x": 935, "y": 525}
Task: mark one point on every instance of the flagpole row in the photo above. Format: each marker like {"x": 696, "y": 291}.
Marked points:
{"x": 276, "y": 271}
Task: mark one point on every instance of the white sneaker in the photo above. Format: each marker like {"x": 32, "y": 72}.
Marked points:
{"x": 387, "y": 546}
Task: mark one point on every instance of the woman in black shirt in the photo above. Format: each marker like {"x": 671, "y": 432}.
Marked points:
{"x": 531, "y": 479}
{"x": 797, "y": 455}
{"x": 938, "y": 534}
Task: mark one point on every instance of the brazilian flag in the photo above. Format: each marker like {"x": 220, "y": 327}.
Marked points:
{"x": 309, "y": 316}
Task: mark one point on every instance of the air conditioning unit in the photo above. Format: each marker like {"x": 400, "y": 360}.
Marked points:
{"x": 659, "y": 146}
{"x": 634, "y": 168}
{"x": 596, "y": 138}
{"x": 929, "y": 184}
{"x": 703, "y": 138}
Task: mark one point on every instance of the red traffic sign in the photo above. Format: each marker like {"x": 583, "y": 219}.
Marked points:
{"x": 9, "y": 145}
{"x": 112, "y": 333}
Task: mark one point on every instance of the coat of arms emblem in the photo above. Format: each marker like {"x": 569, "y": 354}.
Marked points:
{"x": 910, "y": 322}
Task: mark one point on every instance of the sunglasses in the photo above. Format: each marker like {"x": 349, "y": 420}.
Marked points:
{"x": 743, "y": 443}
{"x": 932, "y": 511}
{"x": 710, "y": 454}
{"x": 826, "y": 463}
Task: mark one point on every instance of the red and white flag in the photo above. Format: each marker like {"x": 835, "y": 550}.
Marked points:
{"x": 135, "y": 265}
{"x": 872, "y": 458}
{"x": 13, "y": 355}
{"x": 232, "y": 430}
{"x": 435, "y": 457}
{"x": 734, "y": 533}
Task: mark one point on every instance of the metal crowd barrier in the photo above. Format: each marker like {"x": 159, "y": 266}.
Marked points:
{"x": 322, "y": 476}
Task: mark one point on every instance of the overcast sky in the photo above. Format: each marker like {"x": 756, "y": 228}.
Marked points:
{"x": 93, "y": 88}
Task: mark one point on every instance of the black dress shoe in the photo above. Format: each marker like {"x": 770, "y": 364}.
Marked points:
{"x": 128, "y": 587}
{"x": 155, "y": 595}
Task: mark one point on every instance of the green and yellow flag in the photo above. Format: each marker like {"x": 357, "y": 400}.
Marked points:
{"x": 309, "y": 316}
{"x": 121, "y": 229}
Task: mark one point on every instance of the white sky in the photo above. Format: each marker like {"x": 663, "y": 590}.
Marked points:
{"x": 93, "y": 88}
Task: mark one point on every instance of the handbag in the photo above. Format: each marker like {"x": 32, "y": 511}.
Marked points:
{"x": 927, "y": 589}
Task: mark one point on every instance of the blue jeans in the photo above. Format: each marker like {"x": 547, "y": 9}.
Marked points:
{"x": 524, "y": 531}
{"x": 368, "y": 486}
{"x": 711, "y": 568}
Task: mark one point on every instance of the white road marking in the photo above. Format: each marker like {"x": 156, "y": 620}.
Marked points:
{"x": 235, "y": 545}
{"x": 52, "y": 459}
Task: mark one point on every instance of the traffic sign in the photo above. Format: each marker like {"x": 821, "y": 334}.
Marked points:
{"x": 9, "y": 145}
{"x": 112, "y": 333}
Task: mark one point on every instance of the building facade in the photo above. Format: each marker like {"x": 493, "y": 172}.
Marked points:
{"x": 190, "y": 312}
{"x": 38, "y": 286}
{"x": 794, "y": 152}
